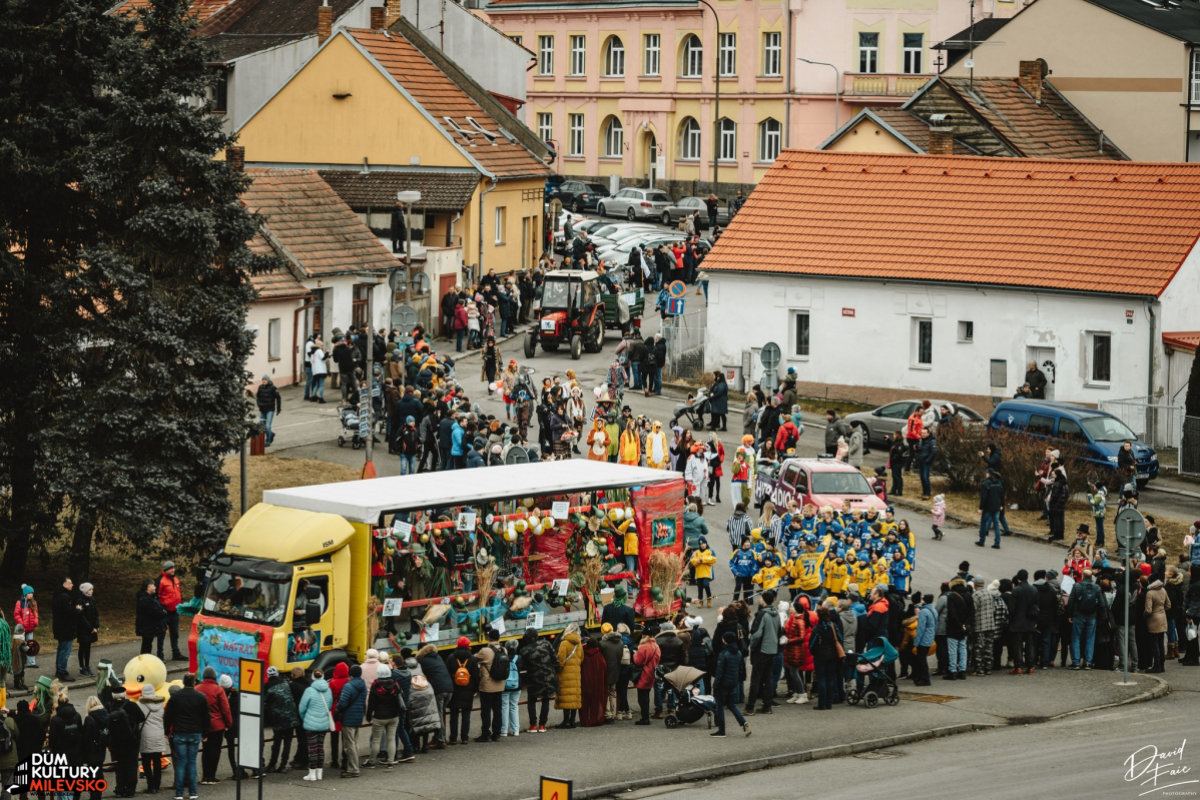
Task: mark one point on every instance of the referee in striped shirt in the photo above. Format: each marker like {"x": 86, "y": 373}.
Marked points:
{"x": 739, "y": 527}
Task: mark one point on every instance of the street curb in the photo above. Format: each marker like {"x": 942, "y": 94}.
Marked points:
{"x": 1162, "y": 690}
{"x": 781, "y": 760}
{"x": 974, "y": 523}
{"x": 87, "y": 681}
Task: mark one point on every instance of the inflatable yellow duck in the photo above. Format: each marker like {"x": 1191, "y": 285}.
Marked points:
{"x": 147, "y": 669}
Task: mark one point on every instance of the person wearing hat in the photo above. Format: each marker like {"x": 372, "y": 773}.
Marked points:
{"x": 991, "y": 503}
{"x": 125, "y": 717}
{"x": 282, "y": 717}
{"x": 465, "y": 686}
{"x": 170, "y": 595}
{"x": 270, "y": 403}
{"x": 727, "y": 679}
{"x": 25, "y": 614}
{"x": 617, "y": 613}
{"x": 220, "y": 718}
{"x": 87, "y": 628}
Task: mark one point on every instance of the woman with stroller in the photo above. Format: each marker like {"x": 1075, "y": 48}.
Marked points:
{"x": 826, "y": 648}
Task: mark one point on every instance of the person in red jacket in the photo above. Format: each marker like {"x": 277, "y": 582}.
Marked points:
{"x": 219, "y": 718}
{"x": 645, "y": 661}
{"x": 797, "y": 658}
{"x": 170, "y": 595}
{"x": 786, "y": 437}
{"x": 341, "y": 676}
{"x": 25, "y": 614}
{"x": 460, "y": 324}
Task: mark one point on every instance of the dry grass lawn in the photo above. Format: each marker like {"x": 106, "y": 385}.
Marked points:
{"x": 274, "y": 472}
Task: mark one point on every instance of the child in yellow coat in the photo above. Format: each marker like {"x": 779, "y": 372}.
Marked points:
{"x": 771, "y": 573}
{"x": 703, "y": 559}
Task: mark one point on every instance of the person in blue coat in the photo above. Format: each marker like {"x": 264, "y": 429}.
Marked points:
{"x": 727, "y": 679}
{"x": 458, "y": 452}
{"x": 744, "y": 564}
{"x": 314, "y": 708}
{"x": 352, "y": 708}
{"x": 923, "y": 640}
{"x": 718, "y": 401}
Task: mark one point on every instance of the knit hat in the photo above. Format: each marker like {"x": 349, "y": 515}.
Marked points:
{"x": 493, "y": 635}
{"x": 383, "y": 672}
{"x": 272, "y": 672}
{"x": 26, "y": 589}
{"x": 356, "y": 671}
{"x": 606, "y": 628}
{"x": 225, "y": 682}
{"x": 168, "y": 564}
{"x": 730, "y": 637}
{"x": 209, "y": 672}
{"x": 464, "y": 641}
{"x": 86, "y": 588}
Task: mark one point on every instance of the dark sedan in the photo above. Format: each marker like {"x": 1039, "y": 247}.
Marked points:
{"x": 579, "y": 196}
{"x": 693, "y": 205}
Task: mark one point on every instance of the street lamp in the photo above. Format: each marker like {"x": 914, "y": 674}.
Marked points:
{"x": 407, "y": 198}
{"x": 717, "y": 87}
{"x": 837, "y": 90}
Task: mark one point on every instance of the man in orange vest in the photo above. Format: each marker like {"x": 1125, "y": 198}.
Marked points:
{"x": 170, "y": 595}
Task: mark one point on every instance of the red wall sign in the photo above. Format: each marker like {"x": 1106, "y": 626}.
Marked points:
{"x": 847, "y": 312}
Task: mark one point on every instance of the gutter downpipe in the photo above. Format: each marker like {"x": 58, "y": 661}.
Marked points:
{"x": 495, "y": 183}
{"x": 308, "y": 301}
{"x": 787, "y": 103}
{"x": 1150, "y": 367}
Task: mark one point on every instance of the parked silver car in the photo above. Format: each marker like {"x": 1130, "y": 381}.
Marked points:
{"x": 881, "y": 423}
{"x": 693, "y": 205}
{"x": 635, "y": 204}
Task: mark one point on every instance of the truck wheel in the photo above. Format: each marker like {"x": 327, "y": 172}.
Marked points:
{"x": 576, "y": 347}
{"x": 529, "y": 345}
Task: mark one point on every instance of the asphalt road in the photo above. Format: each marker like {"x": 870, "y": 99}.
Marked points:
{"x": 1089, "y": 755}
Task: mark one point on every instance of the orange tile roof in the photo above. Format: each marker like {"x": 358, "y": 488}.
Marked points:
{"x": 317, "y": 230}
{"x": 1087, "y": 226}
{"x": 442, "y": 98}
{"x": 203, "y": 9}
{"x": 1183, "y": 340}
{"x": 278, "y": 284}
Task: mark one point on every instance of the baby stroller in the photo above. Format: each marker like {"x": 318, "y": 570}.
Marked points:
{"x": 690, "y": 705}
{"x": 866, "y": 675}
{"x": 348, "y": 415}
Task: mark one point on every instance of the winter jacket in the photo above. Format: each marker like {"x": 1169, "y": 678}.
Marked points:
{"x": 384, "y": 700}
{"x": 485, "y": 656}
{"x": 1059, "y": 493}
{"x": 267, "y": 398}
{"x": 926, "y": 627}
{"x": 616, "y": 615}
{"x": 95, "y": 735}
{"x": 694, "y": 527}
{"x": 169, "y": 592}
{"x": 66, "y": 734}
{"x": 1079, "y": 592}
{"x": 835, "y": 428}
{"x": 1047, "y": 605}
{"x": 315, "y": 705}
{"x": 612, "y": 647}
{"x": 646, "y": 660}
{"x": 1157, "y": 606}
{"x": 463, "y": 696}
{"x": 926, "y": 450}
{"x": 671, "y": 651}
{"x": 1024, "y": 615}
{"x": 570, "y": 673}
{"x": 849, "y": 625}
{"x": 434, "y": 670}
{"x": 823, "y": 642}
{"x": 959, "y": 614}
{"x": 718, "y": 399}
{"x": 875, "y": 623}
{"x": 423, "y": 713}
{"x": 187, "y": 713}
{"x": 539, "y": 663}
{"x": 30, "y": 733}
{"x": 765, "y": 638}
{"x": 150, "y": 615}
{"x": 795, "y": 652}
{"x": 352, "y": 703}
{"x": 25, "y": 614}
{"x": 991, "y": 495}
{"x": 9, "y": 760}
{"x": 697, "y": 653}
{"x": 220, "y": 716}
{"x": 728, "y": 672}
{"x": 153, "y": 738}
{"x": 281, "y": 710}
{"x": 87, "y": 621}
{"x": 66, "y": 624}
{"x": 703, "y": 561}
{"x": 985, "y": 610}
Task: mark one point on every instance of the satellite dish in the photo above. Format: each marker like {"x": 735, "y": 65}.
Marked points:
{"x": 516, "y": 455}
{"x": 770, "y": 355}
{"x": 397, "y": 279}
{"x": 420, "y": 283}
{"x": 404, "y": 318}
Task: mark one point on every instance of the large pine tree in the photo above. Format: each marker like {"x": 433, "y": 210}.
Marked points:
{"x": 124, "y": 282}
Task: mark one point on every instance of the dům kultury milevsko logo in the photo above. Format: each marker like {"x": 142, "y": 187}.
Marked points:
{"x": 49, "y": 773}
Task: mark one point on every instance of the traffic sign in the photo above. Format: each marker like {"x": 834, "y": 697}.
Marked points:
{"x": 404, "y": 318}
{"x": 420, "y": 283}
{"x": 677, "y": 289}
{"x": 250, "y": 711}
{"x": 398, "y": 277}
{"x": 674, "y": 306}
{"x": 556, "y": 789}
{"x": 770, "y": 355}
{"x": 1131, "y": 528}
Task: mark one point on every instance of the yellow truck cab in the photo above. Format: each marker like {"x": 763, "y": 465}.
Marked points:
{"x": 295, "y": 583}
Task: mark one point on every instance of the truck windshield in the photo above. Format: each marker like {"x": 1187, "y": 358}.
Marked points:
{"x": 255, "y": 599}
{"x": 1107, "y": 429}
{"x": 840, "y": 483}
{"x": 556, "y": 293}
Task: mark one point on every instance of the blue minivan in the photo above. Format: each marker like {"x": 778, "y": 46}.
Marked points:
{"x": 1099, "y": 433}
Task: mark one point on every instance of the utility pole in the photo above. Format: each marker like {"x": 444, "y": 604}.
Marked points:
{"x": 717, "y": 101}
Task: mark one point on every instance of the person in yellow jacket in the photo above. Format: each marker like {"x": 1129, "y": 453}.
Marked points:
{"x": 597, "y": 440}
{"x": 703, "y": 559}
{"x": 862, "y": 574}
{"x": 613, "y": 428}
{"x": 629, "y": 450}
{"x": 771, "y": 573}
{"x": 658, "y": 452}
{"x": 837, "y": 576}
{"x": 880, "y": 568}
{"x": 630, "y": 545}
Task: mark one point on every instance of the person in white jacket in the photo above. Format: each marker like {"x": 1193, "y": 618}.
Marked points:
{"x": 695, "y": 472}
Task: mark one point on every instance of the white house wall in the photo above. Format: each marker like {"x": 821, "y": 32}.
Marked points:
{"x": 870, "y": 356}
{"x": 258, "y": 318}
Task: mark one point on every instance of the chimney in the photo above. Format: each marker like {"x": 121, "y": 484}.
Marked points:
{"x": 941, "y": 135}
{"x": 393, "y": 11}
{"x": 324, "y": 22}
{"x": 1031, "y": 78}
{"x": 235, "y": 157}
{"x": 378, "y": 18}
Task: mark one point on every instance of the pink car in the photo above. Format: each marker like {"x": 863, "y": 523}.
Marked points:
{"x": 817, "y": 482}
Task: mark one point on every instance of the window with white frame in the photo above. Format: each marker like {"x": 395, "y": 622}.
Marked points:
{"x": 1196, "y": 76}
{"x": 545, "y": 122}
{"x": 727, "y": 55}
{"x": 545, "y": 55}
{"x": 922, "y": 342}
{"x": 501, "y": 218}
{"x": 728, "y": 148}
{"x": 518, "y": 39}
{"x": 614, "y": 139}
{"x": 578, "y": 56}
{"x": 800, "y": 321}
{"x": 770, "y": 135}
{"x": 693, "y": 58}
{"x": 772, "y": 53}
{"x": 274, "y": 329}
{"x": 575, "y": 138}
{"x": 966, "y": 331}
{"x": 914, "y": 46}
{"x": 689, "y": 140}
{"x": 868, "y": 52}
{"x": 614, "y": 59}
{"x": 1099, "y": 357}
{"x": 652, "y": 49}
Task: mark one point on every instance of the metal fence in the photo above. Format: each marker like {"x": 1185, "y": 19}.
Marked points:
{"x": 1189, "y": 446}
{"x": 1157, "y": 424}
{"x": 684, "y": 336}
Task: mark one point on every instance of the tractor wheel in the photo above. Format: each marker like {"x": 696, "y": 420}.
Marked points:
{"x": 530, "y": 345}
{"x": 593, "y": 341}
{"x": 576, "y": 347}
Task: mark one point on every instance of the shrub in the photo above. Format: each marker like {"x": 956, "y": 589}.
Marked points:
{"x": 1020, "y": 458}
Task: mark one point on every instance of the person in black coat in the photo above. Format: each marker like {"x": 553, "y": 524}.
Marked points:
{"x": 66, "y": 626}
{"x": 300, "y": 681}
{"x": 66, "y": 732}
{"x": 718, "y": 401}
{"x": 150, "y": 615}
{"x": 1057, "y": 502}
{"x": 1047, "y": 619}
{"x": 399, "y": 231}
{"x": 95, "y": 736}
{"x": 87, "y": 628}
{"x": 1022, "y": 623}
{"x": 463, "y": 697}
{"x": 1035, "y": 379}
{"x": 727, "y": 679}
{"x": 31, "y": 734}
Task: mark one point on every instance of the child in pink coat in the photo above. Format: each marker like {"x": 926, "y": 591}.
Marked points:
{"x": 939, "y": 515}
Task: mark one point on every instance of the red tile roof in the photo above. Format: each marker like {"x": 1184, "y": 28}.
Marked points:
{"x": 278, "y": 284}
{"x": 1087, "y": 226}
{"x": 442, "y": 98}
{"x": 913, "y": 128}
{"x": 308, "y": 224}
{"x": 1183, "y": 340}
{"x": 203, "y": 9}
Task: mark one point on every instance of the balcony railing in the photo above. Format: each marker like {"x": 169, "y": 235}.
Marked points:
{"x": 882, "y": 84}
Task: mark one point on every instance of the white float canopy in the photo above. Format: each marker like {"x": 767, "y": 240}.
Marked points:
{"x": 365, "y": 501}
